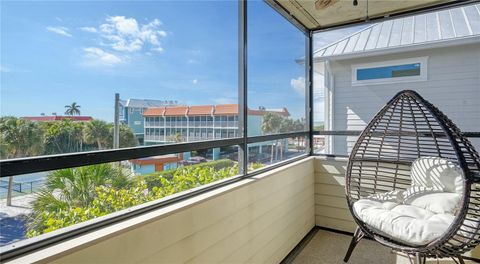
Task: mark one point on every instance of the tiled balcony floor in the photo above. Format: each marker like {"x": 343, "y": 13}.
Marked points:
{"x": 329, "y": 248}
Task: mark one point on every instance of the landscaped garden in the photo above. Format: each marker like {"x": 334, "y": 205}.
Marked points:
{"x": 75, "y": 195}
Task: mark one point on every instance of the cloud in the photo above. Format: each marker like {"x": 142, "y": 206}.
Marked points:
{"x": 158, "y": 49}
{"x": 194, "y": 81}
{"x": 298, "y": 85}
{"x": 126, "y": 34}
{"x": 99, "y": 57}
{"x": 89, "y": 29}
{"x": 59, "y": 30}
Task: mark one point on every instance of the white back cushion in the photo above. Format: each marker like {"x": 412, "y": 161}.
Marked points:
{"x": 436, "y": 202}
{"x": 438, "y": 174}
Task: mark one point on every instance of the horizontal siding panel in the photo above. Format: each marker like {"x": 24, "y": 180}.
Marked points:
{"x": 272, "y": 199}
{"x": 268, "y": 210}
{"x": 334, "y": 212}
{"x": 332, "y": 201}
{"x": 289, "y": 230}
{"x": 234, "y": 237}
{"x": 261, "y": 239}
{"x": 330, "y": 166}
{"x": 331, "y": 179}
{"x": 334, "y": 223}
{"x": 290, "y": 242}
{"x": 332, "y": 190}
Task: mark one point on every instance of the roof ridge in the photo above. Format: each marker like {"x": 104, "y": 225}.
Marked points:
{"x": 346, "y": 37}
{"x": 426, "y": 27}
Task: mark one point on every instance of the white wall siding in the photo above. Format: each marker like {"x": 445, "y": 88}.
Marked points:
{"x": 453, "y": 85}
{"x": 257, "y": 220}
{"x": 331, "y": 208}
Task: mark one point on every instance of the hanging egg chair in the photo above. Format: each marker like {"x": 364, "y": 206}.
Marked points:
{"x": 413, "y": 182}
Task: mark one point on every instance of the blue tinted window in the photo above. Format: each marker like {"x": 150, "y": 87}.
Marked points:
{"x": 405, "y": 70}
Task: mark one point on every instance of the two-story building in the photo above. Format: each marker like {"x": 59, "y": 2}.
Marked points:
{"x": 131, "y": 113}
{"x": 202, "y": 122}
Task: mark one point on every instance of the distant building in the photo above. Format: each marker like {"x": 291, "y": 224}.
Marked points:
{"x": 57, "y": 118}
{"x": 206, "y": 122}
{"x": 156, "y": 163}
{"x": 193, "y": 123}
{"x": 131, "y": 113}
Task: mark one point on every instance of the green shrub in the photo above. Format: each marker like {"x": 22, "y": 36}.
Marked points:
{"x": 154, "y": 179}
{"x": 107, "y": 198}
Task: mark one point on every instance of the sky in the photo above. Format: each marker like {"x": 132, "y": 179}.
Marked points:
{"x": 54, "y": 53}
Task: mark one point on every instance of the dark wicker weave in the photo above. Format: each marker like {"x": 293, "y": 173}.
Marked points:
{"x": 409, "y": 127}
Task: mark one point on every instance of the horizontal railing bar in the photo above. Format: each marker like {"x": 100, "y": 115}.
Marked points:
{"x": 389, "y": 133}
{"x": 11, "y": 167}
{"x": 20, "y": 248}
{"x": 383, "y": 160}
{"x": 264, "y": 138}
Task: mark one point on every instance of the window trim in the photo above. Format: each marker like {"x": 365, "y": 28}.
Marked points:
{"x": 423, "y": 61}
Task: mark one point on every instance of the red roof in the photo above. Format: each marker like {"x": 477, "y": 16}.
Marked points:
{"x": 57, "y": 118}
{"x": 154, "y": 111}
{"x": 225, "y": 109}
{"x": 176, "y": 110}
{"x": 157, "y": 159}
{"x": 200, "y": 110}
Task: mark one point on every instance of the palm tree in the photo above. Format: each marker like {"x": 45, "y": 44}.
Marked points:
{"x": 96, "y": 131}
{"x": 75, "y": 187}
{"x": 20, "y": 138}
{"x": 73, "y": 109}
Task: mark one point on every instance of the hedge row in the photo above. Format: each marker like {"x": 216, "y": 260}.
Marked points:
{"x": 154, "y": 179}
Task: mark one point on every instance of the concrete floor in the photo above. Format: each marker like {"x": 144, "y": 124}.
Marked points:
{"x": 329, "y": 248}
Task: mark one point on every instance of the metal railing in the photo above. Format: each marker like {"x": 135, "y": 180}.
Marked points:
{"x": 23, "y": 186}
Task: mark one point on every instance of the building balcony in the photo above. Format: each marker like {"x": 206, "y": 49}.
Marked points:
{"x": 259, "y": 185}
{"x": 296, "y": 213}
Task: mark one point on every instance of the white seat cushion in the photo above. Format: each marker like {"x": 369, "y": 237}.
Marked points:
{"x": 406, "y": 223}
{"x": 424, "y": 211}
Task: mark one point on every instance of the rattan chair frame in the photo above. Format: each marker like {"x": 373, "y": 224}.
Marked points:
{"x": 406, "y": 128}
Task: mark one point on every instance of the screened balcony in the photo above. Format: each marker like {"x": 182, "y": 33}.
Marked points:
{"x": 239, "y": 148}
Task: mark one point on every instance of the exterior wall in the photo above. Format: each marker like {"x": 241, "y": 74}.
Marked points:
{"x": 256, "y": 220}
{"x": 331, "y": 208}
{"x": 453, "y": 86}
{"x": 135, "y": 120}
{"x": 190, "y": 129}
{"x": 220, "y": 129}
{"x": 143, "y": 169}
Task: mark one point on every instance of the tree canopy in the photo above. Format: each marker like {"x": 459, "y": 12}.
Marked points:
{"x": 72, "y": 109}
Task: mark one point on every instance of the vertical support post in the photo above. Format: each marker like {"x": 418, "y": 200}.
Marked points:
{"x": 309, "y": 89}
{"x": 242, "y": 86}
{"x": 116, "y": 125}
{"x": 9, "y": 191}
